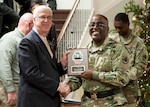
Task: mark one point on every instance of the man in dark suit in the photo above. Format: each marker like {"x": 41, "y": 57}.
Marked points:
{"x": 39, "y": 84}
{"x": 51, "y": 36}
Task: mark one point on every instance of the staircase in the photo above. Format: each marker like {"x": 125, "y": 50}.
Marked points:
{"x": 59, "y": 18}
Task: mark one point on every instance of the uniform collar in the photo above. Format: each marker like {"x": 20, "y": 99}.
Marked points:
{"x": 93, "y": 48}
{"x": 127, "y": 40}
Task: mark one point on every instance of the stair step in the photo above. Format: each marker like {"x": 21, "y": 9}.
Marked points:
{"x": 58, "y": 25}
{"x": 59, "y": 18}
{"x": 60, "y": 14}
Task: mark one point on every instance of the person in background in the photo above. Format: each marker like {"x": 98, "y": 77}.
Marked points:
{"x": 138, "y": 57}
{"x": 9, "y": 67}
{"x": 39, "y": 84}
{"x": 103, "y": 82}
{"x": 51, "y": 36}
{"x": 9, "y": 3}
{"x": 36, "y": 3}
{"x": 8, "y": 18}
{"x": 24, "y": 6}
{"x": 52, "y": 4}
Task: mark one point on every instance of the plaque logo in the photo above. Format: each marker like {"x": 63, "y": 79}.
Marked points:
{"x": 77, "y": 57}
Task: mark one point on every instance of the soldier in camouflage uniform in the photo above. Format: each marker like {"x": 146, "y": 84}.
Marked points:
{"x": 103, "y": 81}
{"x": 136, "y": 60}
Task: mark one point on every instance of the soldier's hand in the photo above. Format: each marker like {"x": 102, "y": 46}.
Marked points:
{"x": 87, "y": 75}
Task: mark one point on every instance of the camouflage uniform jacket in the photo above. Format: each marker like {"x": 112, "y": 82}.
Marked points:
{"x": 105, "y": 62}
{"x": 135, "y": 61}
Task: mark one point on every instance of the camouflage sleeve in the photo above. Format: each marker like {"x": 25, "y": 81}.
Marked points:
{"x": 117, "y": 76}
{"x": 140, "y": 62}
{"x": 74, "y": 83}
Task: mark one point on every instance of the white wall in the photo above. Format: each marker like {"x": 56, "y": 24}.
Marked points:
{"x": 68, "y": 4}
{"x": 110, "y": 8}
{"x": 100, "y": 6}
{"x": 65, "y": 4}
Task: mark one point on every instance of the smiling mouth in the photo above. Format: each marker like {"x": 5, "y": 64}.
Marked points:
{"x": 95, "y": 33}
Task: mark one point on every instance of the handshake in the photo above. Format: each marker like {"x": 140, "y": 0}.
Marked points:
{"x": 64, "y": 89}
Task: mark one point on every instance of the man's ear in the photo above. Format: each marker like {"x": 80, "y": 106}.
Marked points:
{"x": 108, "y": 28}
{"x": 128, "y": 23}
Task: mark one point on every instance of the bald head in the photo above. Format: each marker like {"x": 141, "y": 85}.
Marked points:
{"x": 25, "y": 23}
{"x": 26, "y": 17}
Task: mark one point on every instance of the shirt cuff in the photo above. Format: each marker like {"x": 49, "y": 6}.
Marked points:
{"x": 9, "y": 86}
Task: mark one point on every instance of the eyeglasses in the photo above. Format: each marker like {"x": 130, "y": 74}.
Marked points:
{"x": 100, "y": 25}
{"x": 44, "y": 17}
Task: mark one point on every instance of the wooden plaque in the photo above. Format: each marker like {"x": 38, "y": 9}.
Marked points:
{"x": 77, "y": 61}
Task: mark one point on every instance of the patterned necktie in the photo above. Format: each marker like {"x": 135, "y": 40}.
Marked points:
{"x": 48, "y": 47}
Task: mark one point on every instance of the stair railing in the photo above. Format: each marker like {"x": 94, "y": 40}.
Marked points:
{"x": 74, "y": 27}
{"x": 67, "y": 21}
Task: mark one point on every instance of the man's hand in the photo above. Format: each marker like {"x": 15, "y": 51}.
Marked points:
{"x": 64, "y": 89}
{"x": 87, "y": 75}
{"x": 64, "y": 60}
{"x": 12, "y": 98}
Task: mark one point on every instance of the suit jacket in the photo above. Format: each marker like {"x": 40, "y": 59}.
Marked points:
{"x": 39, "y": 74}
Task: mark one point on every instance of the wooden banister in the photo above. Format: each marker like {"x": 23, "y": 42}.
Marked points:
{"x": 67, "y": 21}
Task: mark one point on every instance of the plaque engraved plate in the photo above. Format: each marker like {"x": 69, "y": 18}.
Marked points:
{"x": 77, "y": 61}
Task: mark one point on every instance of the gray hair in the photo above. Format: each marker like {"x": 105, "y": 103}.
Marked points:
{"x": 41, "y": 7}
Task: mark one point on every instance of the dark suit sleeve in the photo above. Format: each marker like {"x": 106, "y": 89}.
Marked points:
{"x": 60, "y": 68}
{"x": 35, "y": 68}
